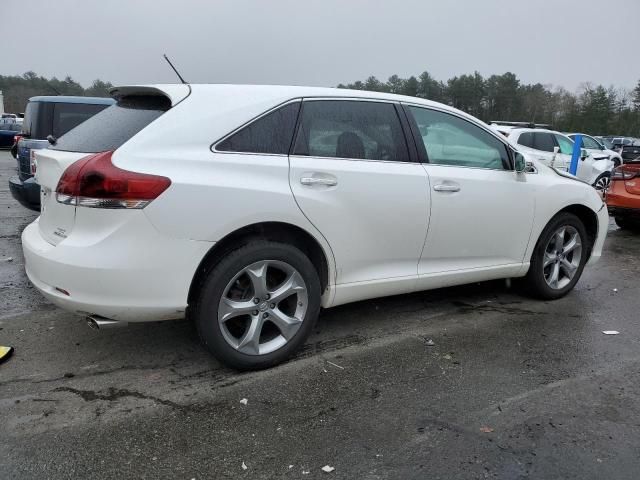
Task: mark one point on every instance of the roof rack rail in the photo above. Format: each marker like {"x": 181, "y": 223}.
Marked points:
{"x": 522, "y": 124}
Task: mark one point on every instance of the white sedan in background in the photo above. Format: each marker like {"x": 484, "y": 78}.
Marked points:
{"x": 555, "y": 149}
{"x": 248, "y": 208}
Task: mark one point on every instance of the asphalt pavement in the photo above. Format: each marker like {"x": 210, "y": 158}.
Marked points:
{"x": 460, "y": 383}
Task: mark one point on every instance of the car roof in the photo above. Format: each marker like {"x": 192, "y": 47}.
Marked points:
{"x": 72, "y": 99}
{"x": 538, "y": 130}
{"x": 281, "y": 91}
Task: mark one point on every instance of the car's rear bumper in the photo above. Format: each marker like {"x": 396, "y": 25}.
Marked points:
{"x": 603, "y": 228}
{"x": 633, "y": 213}
{"x": 27, "y": 192}
{"x": 131, "y": 274}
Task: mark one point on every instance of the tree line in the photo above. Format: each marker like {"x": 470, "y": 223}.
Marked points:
{"x": 17, "y": 89}
{"x": 594, "y": 109}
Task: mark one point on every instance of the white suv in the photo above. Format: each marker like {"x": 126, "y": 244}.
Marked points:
{"x": 555, "y": 149}
{"x": 248, "y": 208}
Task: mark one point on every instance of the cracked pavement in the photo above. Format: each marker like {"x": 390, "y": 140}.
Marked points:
{"x": 511, "y": 387}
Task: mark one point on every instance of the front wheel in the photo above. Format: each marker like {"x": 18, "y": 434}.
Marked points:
{"x": 258, "y": 305}
{"x": 603, "y": 182}
{"x": 558, "y": 258}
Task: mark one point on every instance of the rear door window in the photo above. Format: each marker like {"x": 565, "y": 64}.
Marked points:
{"x": 270, "y": 134}
{"x": 69, "y": 115}
{"x": 113, "y": 126}
{"x": 526, "y": 139}
{"x": 351, "y": 129}
{"x": 543, "y": 141}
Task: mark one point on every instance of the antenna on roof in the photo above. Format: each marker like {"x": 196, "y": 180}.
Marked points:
{"x": 174, "y": 68}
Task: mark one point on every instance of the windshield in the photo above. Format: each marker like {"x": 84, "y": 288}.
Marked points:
{"x": 606, "y": 143}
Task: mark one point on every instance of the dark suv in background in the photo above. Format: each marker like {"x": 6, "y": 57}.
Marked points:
{"x": 44, "y": 116}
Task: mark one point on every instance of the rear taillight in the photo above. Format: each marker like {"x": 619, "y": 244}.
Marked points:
{"x": 16, "y": 138}
{"x": 621, "y": 174}
{"x": 95, "y": 182}
{"x": 33, "y": 164}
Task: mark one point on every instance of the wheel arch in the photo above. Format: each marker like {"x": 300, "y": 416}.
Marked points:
{"x": 274, "y": 231}
{"x": 588, "y": 217}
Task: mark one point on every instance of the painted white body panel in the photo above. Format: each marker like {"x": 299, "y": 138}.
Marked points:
{"x": 382, "y": 228}
{"x": 375, "y": 218}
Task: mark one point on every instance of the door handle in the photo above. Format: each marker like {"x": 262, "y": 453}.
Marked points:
{"x": 327, "y": 182}
{"x": 446, "y": 187}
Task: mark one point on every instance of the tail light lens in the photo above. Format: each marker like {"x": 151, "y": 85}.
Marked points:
{"x": 33, "y": 164}
{"x": 623, "y": 174}
{"x": 94, "y": 181}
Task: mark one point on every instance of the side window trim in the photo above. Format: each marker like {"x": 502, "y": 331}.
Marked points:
{"x": 213, "y": 146}
{"x": 422, "y": 151}
{"x": 413, "y": 155}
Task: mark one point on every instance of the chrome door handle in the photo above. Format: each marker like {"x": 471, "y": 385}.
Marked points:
{"x": 328, "y": 182}
{"x": 446, "y": 187}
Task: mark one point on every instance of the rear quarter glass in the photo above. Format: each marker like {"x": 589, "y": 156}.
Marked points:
{"x": 112, "y": 127}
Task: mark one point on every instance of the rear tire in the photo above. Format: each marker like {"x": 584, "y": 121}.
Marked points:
{"x": 556, "y": 262}
{"x": 258, "y": 305}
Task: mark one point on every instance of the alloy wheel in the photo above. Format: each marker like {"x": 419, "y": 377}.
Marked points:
{"x": 263, "y": 307}
{"x": 562, "y": 257}
{"x": 603, "y": 183}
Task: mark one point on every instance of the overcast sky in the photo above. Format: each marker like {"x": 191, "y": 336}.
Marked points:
{"x": 323, "y": 42}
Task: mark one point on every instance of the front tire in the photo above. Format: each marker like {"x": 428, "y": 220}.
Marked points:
{"x": 603, "y": 182}
{"x": 558, "y": 258}
{"x": 258, "y": 305}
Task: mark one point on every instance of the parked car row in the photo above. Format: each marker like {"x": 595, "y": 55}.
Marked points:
{"x": 248, "y": 208}
{"x": 555, "y": 149}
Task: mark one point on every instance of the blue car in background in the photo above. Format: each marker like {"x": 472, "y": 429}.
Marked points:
{"x": 44, "y": 116}
{"x": 8, "y": 132}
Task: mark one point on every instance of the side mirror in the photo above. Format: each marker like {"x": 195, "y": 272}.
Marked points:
{"x": 583, "y": 154}
{"x": 520, "y": 163}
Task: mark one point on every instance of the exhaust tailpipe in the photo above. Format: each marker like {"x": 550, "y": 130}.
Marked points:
{"x": 100, "y": 323}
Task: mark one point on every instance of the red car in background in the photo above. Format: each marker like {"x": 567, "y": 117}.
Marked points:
{"x": 623, "y": 195}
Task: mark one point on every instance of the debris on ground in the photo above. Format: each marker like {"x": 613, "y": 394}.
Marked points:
{"x": 8, "y": 259}
{"x": 5, "y": 353}
{"x": 610, "y": 332}
{"x": 244, "y": 401}
{"x": 244, "y": 467}
{"x": 429, "y": 342}
{"x": 446, "y": 356}
{"x": 486, "y": 429}
{"x": 615, "y": 290}
{"x": 328, "y": 469}
{"x": 335, "y": 365}
{"x": 306, "y": 472}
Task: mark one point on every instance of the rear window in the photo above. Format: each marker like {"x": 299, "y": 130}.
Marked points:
{"x": 67, "y": 116}
{"x": 112, "y": 127}
{"x": 38, "y": 118}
